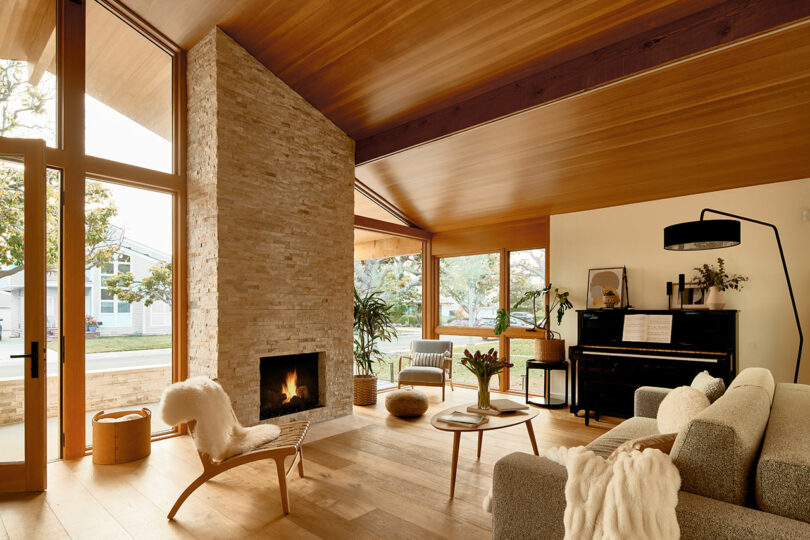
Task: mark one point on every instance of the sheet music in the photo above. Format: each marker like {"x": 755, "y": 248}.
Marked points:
{"x": 647, "y": 328}
{"x": 635, "y": 328}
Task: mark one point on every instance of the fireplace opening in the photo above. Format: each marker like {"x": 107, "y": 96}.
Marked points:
{"x": 289, "y": 384}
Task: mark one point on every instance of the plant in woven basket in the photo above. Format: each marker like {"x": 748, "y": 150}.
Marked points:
{"x": 372, "y": 325}
{"x": 484, "y": 366}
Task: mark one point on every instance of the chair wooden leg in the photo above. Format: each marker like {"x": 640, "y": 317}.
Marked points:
{"x": 399, "y": 386}
{"x": 442, "y": 392}
{"x": 189, "y": 490}
{"x": 301, "y": 462}
{"x": 282, "y": 485}
{"x": 451, "y": 385}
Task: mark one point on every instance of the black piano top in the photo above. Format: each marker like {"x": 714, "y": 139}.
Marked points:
{"x": 693, "y": 330}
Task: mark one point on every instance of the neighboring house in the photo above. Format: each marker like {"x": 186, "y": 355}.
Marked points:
{"x": 117, "y": 318}
{"x": 5, "y": 314}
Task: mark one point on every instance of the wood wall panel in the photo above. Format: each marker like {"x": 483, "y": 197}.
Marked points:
{"x": 385, "y": 247}
{"x": 733, "y": 117}
{"x": 511, "y": 236}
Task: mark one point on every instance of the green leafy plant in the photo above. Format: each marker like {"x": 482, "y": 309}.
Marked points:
{"x": 372, "y": 325}
{"x": 157, "y": 286}
{"x": 711, "y": 276}
{"x": 484, "y": 365}
{"x": 557, "y": 301}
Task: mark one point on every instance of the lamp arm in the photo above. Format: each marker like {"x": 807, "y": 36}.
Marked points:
{"x": 784, "y": 266}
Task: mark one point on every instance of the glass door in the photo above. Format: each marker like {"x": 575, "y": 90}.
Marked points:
{"x": 22, "y": 315}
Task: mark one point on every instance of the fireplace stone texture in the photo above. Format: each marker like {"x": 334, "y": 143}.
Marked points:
{"x": 270, "y": 229}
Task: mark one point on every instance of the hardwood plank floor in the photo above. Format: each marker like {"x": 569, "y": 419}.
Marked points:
{"x": 369, "y": 475}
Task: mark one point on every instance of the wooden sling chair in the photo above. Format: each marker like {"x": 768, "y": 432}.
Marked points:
{"x": 287, "y": 444}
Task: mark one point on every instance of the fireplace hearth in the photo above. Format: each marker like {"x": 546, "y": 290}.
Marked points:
{"x": 289, "y": 384}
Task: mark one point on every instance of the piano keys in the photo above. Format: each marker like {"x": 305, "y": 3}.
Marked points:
{"x": 606, "y": 370}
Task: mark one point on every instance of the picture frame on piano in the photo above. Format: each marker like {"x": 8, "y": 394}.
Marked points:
{"x": 601, "y": 279}
{"x": 692, "y": 297}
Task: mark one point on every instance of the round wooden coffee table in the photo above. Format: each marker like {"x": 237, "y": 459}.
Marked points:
{"x": 495, "y": 422}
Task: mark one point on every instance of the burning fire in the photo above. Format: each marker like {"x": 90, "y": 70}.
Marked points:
{"x": 290, "y": 387}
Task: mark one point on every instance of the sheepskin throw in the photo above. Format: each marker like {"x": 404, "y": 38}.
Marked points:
{"x": 632, "y": 496}
{"x": 218, "y": 433}
{"x": 679, "y": 407}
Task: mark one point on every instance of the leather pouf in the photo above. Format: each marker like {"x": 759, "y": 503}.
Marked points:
{"x": 406, "y": 403}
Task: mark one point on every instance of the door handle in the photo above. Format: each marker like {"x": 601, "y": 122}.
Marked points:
{"x": 34, "y": 356}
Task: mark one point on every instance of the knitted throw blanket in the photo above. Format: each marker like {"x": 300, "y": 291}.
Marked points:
{"x": 631, "y": 497}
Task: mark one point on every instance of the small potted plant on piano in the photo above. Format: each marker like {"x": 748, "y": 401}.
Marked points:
{"x": 715, "y": 280}
{"x": 549, "y": 346}
{"x": 609, "y": 297}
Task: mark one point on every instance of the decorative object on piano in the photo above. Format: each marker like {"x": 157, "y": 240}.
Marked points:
{"x": 690, "y": 296}
{"x": 718, "y": 233}
{"x": 602, "y": 279}
{"x": 484, "y": 366}
{"x": 546, "y": 348}
{"x": 716, "y": 281}
{"x": 373, "y": 324}
{"x": 609, "y": 297}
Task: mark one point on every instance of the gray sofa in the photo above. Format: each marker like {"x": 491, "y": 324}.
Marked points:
{"x": 744, "y": 464}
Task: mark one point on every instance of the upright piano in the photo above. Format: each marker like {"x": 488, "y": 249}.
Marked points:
{"x": 606, "y": 370}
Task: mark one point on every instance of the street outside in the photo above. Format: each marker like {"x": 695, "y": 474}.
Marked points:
{"x": 13, "y": 367}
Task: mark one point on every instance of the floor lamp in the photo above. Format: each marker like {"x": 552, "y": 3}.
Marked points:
{"x": 722, "y": 233}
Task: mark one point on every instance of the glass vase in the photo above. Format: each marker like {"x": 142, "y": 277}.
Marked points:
{"x": 483, "y": 392}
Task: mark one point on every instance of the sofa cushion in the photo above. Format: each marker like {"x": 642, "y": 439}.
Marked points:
{"x": 632, "y": 428}
{"x": 717, "y": 451}
{"x": 421, "y": 375}
{"x": 783, "y": 471}
{"x": 658, "y": 442}
{"x": 679, "y": 407}
{"x": 422, "y": 359}
{"x": 713, "y": 387}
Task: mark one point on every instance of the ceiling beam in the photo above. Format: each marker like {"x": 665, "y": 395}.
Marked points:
{"x": 384, "y": 203}
{"x": 704, "y": 30}
{"x": 377, "y": 225}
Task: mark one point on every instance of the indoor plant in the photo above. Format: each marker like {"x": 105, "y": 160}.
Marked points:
{"x": 609, "y": 297}
{"x": 547, "y": 348}
{"x": 716, "y": 281}
{"x": 372, "y": 325}
{"x": 484, "y": 366}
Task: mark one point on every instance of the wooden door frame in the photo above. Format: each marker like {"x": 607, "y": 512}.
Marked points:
{"x": 30, "y": 474}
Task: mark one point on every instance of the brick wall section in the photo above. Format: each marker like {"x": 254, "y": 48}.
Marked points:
{"x": 272, "y": 187}
{"x": 105, "y": 390}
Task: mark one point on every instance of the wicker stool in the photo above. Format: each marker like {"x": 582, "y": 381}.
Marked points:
{"x": 406, "y": 403}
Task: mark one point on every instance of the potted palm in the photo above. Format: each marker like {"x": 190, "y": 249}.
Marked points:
{"x": 547, "y": 348}
{"x": 716, "y": 281}
{"x": 372, "y": 325}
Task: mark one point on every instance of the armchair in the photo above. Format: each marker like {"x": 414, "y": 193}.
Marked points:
{"x": 431, "y": 364}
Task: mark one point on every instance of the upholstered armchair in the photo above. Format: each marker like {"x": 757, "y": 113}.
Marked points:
{"x": 430, "y": 364}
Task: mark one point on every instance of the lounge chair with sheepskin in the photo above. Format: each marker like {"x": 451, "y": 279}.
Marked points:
{"x": 222, "y": 442}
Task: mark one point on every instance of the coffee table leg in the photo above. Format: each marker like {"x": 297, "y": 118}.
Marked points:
{"x": 456, "y": 441}
{"x": 531, "y": 437}
{"x": 480, "y": 438}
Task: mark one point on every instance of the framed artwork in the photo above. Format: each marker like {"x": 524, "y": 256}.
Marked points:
{"x": 692, "y": 297}
{"x": 600, "y": 279}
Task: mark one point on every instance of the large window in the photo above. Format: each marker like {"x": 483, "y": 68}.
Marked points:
{"x": 527, "y": 272}
{"x": 399, "y": 282}
{"x": 468, "y": 290}
{"x": 461, "y": 374}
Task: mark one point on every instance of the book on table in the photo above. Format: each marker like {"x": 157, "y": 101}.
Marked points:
{"x": 465, "y": 419}
{"x": 498, "y": 407}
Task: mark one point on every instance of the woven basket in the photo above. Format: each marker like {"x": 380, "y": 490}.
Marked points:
{"x": 121, "y": 442}
{"x": 610, "y": 301}
{"x": 549, "y": 350}
{"x": 365, "y": 389}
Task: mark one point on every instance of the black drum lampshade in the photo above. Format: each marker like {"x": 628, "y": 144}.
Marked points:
{"x": 703, "y": 234}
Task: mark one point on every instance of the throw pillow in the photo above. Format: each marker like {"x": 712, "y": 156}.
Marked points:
{"x": 679, "y": 407}
{"x": 659, "y": 442}
{"x": 428, "y": 359}
{"x": 713, "y": 387}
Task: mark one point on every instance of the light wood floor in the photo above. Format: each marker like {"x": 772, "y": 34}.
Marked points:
{"x": 368, "y": 475}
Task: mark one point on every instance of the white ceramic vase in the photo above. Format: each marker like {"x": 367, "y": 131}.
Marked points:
{"x": 716, "y": 298}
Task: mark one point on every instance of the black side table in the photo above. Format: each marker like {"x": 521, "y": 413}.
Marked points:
{"x": 547, "y": 401}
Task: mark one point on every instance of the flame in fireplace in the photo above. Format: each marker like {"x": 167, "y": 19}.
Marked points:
{"x": 290, "y": 386}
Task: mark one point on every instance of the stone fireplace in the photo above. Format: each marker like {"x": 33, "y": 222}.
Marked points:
{"x": 270, "y": 232}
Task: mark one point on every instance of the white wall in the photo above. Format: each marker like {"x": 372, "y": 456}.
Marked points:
{"x": 632, "y": 236}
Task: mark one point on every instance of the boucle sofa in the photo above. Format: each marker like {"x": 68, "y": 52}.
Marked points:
{"x": 744, "y": 464}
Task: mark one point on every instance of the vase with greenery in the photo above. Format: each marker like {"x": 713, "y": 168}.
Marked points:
{"x": 484, "y": 366}
{"x": 715, "y": 280}
{"x": 549, "y": 347}
{"x": 372, "y": 326}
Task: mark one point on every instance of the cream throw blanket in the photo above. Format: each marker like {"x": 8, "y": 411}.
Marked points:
{"x": 218, "y": 433}
{"x": 631, "y": 497}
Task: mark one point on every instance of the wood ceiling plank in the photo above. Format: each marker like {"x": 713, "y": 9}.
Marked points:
{"x": 729, "y": 118}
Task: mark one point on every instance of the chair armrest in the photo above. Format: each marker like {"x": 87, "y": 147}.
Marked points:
{"x": 400, "y": 361}
{"x": 647, "y": 399}
{"x": 519, "y": 481}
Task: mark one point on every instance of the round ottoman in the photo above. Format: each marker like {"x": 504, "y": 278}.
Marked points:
{"x": 405, "y": 403}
